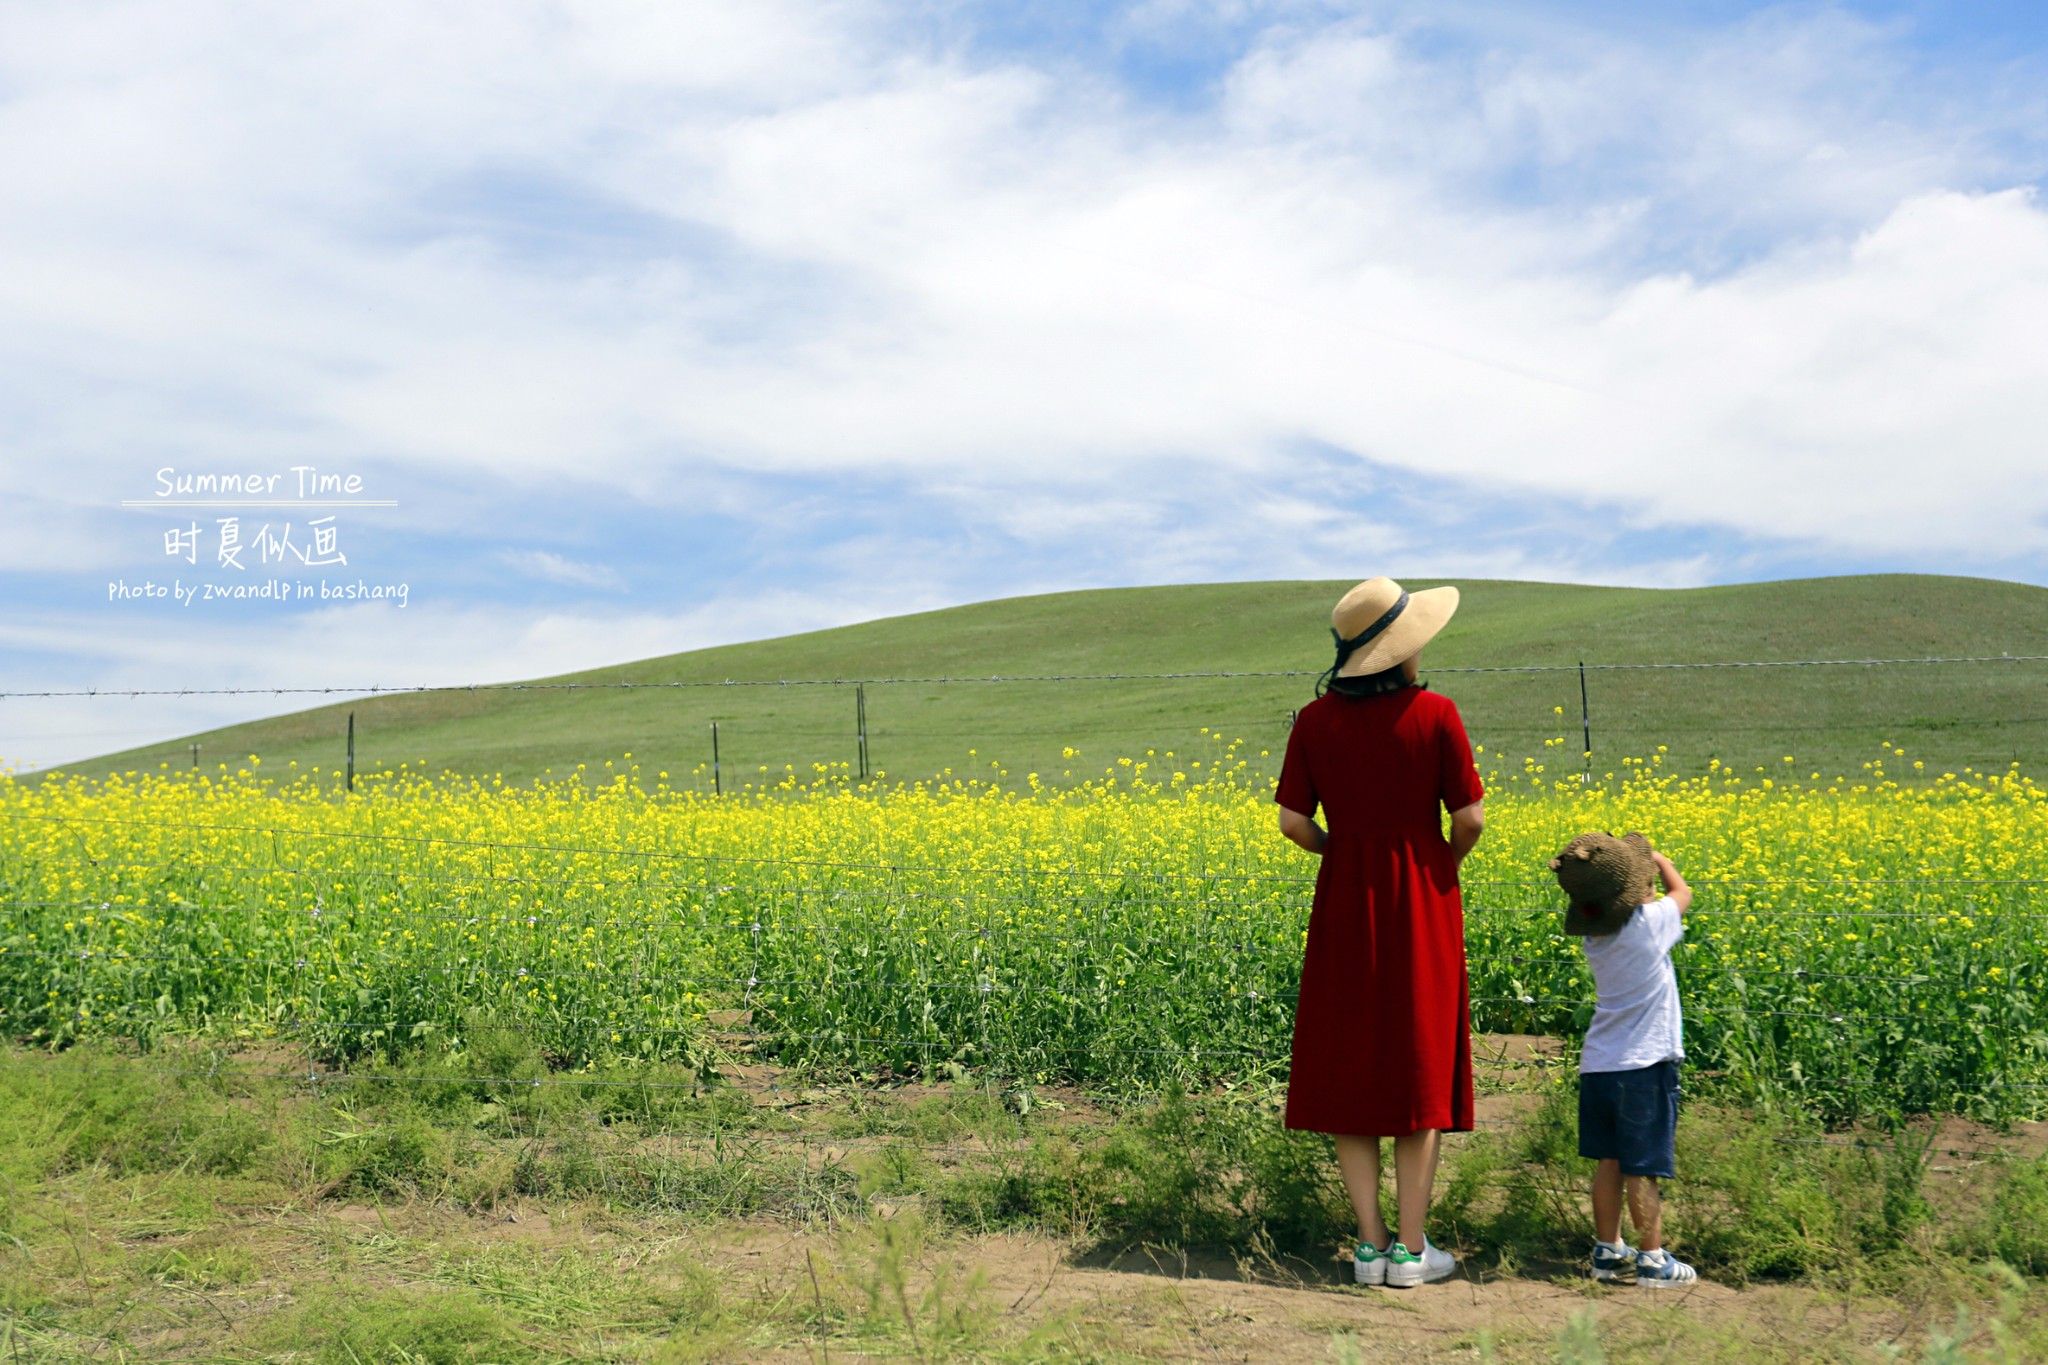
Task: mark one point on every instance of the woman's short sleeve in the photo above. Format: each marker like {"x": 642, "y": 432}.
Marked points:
{"x": 1457, "y": 775}
{"x": 1297, "y": 791}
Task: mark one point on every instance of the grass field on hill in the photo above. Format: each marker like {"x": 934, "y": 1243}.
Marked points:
{"x": 1831, "y": 719}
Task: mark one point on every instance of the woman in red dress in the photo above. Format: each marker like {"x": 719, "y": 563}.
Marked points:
{"x": 1382, "y": 1034}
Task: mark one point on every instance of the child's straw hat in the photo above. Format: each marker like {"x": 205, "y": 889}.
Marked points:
{"x": 1395, "y": 624}
{"x": 1607, "y": 879}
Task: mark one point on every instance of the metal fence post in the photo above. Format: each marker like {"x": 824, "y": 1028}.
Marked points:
{"x": 717, "y": 785}
{"x": 351, "y": 751}
{"x": 1585, "y": 724}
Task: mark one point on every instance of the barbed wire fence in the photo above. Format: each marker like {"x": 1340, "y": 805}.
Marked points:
{"x": 968, "y": 1030}
{"x": 1873, "y": 661}
{"x": 921, "y": 723}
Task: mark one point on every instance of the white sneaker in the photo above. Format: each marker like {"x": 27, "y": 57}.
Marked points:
{"x": 1406, "y": 1269}
{"x": 1662, "y": 1270}
{"x": 1610, "y": 1259}
{"x": 1369, "y": 1264}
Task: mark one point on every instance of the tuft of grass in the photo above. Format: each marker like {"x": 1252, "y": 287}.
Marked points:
{"x": 2014, "y": 1223}
{"x": 89, "y": 1107}
{"x": 1579, "y": 1342}
{"x": 1216, "y": 1172}
{"x": 352, "y": 1326}
{"x": 945, "y": 1316}
{"x": 211, "y": 1268}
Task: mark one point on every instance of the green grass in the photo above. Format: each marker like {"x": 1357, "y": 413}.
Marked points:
{"x": 1983, "y": 716}
{"x": 409, "y": 1223}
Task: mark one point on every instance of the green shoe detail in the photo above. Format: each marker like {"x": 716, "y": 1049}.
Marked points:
{"x": 1399, "y": 1254}
{"x": 1368, "y": 1253}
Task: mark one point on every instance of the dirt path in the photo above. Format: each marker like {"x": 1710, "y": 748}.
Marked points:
{"x": 1163, "y": 1307}
{"x": 1139, "y": 1306}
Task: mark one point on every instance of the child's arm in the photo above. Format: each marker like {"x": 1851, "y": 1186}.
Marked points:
{"x": 1674, "y": 885}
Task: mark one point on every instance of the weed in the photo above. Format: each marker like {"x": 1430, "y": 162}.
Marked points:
{"x": 1579, "y": 1343}
{"x": 214, "y": 1268}
{"x": 442, "y": 1327}
{"x": 947, "y": 1316}
{"x": 2015, "y": 1223}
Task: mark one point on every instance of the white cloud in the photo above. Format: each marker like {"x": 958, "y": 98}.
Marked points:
{"x": 801, "y": 240}
{"x": 556, "y": 568}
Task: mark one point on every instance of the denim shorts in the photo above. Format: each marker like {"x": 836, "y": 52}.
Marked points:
{"x": 1631, "y": 1116}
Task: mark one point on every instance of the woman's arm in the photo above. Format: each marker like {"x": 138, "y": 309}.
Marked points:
{"x": 1458, "y": 784}
{"x": 1302, "y": 830}
{"x": 1466, "y": 826}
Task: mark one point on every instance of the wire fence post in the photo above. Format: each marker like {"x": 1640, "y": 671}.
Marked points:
{"x": 195, "y": 755}
{"x": 717, "y": 786}
{"x": 1585, "y": 724}
{"x": 860, "y": 726}
{"x": 351, "y": 751}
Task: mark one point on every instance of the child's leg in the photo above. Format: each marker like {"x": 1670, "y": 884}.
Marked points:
{"x": 1359, "y": 1159}
{"x": 1655, "y": 1136}
{"x": 1646, "y": 1208}
{"x": 1607, "y": 1201}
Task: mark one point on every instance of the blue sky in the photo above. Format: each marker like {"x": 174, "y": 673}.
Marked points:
{"x": 667, "y": 326}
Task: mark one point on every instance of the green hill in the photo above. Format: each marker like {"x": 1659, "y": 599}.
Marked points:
{"x": 1829, "y": 718}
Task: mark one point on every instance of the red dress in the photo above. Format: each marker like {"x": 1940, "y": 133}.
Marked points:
{"x": 1383, "y": 1031}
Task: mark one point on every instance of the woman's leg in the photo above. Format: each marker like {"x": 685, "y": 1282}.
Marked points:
{"x": 1359, "y": 1159}
{"x": 1414, "y": 1179}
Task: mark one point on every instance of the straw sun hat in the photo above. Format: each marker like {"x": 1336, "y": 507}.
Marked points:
{"x": 1387, "y": 623}
{"x": 1606, "y": 877}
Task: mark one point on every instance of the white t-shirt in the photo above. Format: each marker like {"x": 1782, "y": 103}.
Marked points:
{"x": 1636, "y": 1023}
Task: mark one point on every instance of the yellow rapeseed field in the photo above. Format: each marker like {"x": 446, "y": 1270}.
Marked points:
{"x": 1864, "y": 946}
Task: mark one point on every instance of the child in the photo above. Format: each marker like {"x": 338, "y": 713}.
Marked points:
{"x": 1628, "y": 1070}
